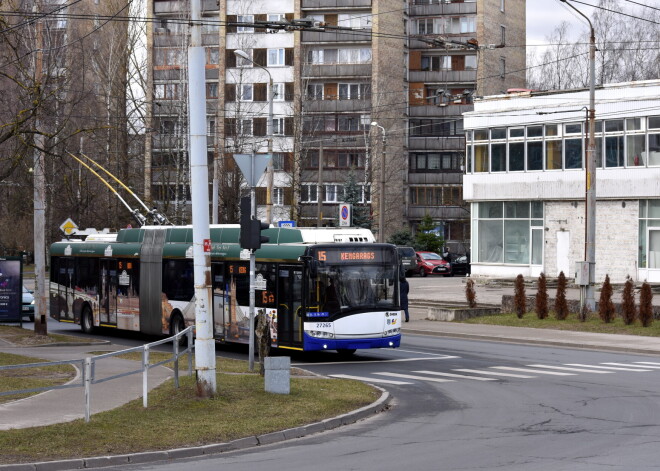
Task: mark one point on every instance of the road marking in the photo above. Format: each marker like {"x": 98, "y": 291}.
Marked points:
{"x": 421, "y": 378}
{"x": 633, "y": 366}
{"x": 526, "y": 370}
{"x": 451, "y": 375}
{"x": 371, "y": 380}
{"x": 606, "y": 367}
{"x": 494, "y": 373}
{"x": 443, "y": 357}
{"x": 648, "y": 363}
{"x": 579, "y": 370}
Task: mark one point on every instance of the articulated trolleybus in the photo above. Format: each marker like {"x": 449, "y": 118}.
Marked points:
{"x": 320, "y": 288}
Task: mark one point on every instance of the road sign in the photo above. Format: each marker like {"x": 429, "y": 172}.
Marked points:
{"x": 286, "y": 224}
{"x": 68, "y": 226}
{"x": 252, "y": 166}
{"x": 344, "y": 215}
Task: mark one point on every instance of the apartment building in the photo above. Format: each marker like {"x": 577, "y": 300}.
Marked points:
{"x": 370, "y": 90}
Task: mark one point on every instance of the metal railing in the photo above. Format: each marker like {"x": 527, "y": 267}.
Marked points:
{"x": 88, "y": 367}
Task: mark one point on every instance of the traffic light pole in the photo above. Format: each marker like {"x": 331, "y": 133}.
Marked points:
{"x": 253, "y": 214}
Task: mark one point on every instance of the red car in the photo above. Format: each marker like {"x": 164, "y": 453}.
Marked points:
{"x": 430, "y": 263}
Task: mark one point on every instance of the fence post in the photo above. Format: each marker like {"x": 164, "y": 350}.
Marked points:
{"x": 87, "y": 382}
{"x": 191, "y": 348}
{"x": 145, "y": 385}
{"x": 175, "y": 344}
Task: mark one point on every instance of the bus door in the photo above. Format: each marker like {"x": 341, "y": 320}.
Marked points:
{"x": 62, "y": 302}
{"x": 219, "y": 299}
{"x": 108, "y": 293}
{"x": 289, "y": 302}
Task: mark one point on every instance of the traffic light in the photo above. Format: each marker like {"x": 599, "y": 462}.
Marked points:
{"x": 251, "y": 237}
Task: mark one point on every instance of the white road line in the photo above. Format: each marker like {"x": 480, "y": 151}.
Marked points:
{"x": 633, "y": 366}
{"x": 451, "y": 375}
{"x": 606, "y": 367}
{"x": 373, "y": 361}
{"x": 527, "y": 370}
{"x": 493, "y": 373}
{"x": 420, "y": 378}
{"x": 578, "y": 370}
{"x": 369, "y": 380}
{"x": 648, "y": 363}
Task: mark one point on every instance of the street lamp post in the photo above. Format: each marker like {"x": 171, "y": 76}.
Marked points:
{"x": 587, "y": 298}
{"x": 381, "y": 199}
{"x": 269, "y": 133}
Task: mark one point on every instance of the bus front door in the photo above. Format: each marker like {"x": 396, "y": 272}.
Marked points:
{"x": 289, "y": 302}
{"x": 63, "y": 301}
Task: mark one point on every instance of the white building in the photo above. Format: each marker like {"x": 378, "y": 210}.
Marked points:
{"x": 526, "y": 181}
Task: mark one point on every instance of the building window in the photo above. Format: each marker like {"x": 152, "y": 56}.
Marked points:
{"x": 245, "y": 19}
{"x": 279, "y": 159}
{"x": 213, "y": 56}
{"x": 470, "y": 62}
{"x": 166, "y": 91}
{"x": 243, "y": 62}
{"x": 334, "y": 193}
{"x": 354, "y": 91}
{"x": 246, "y": 92}
{"x": 278, "y": 92}
{"x": 352, "y": 20}
{"x": 315, "y": 91}
{"x": 278, "y": 126}
{"x": 246, "y": 127}
{"x": 308, "y": 193}
{"x": 505, "y": 229}
{"x": 436, "y": 63}
{"x": 274, "y": 18}
{"x": 435, "y": 162}
{"x": 212, "y": 90}
{"x": 275, "y": 57}
{"x": 278, "y": 196}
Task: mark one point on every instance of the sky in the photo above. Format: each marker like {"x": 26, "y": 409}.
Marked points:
{"x": 543, "y": 16}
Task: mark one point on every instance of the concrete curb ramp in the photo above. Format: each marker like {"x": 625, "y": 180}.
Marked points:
{"x": 380, "y": 405}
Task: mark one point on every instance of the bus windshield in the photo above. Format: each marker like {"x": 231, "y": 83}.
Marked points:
{"x": 346, "y": 284}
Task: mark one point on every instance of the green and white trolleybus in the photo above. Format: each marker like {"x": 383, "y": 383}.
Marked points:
{"x": 320, "y": 288}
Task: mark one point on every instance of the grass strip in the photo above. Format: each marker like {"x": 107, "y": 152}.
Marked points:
{"x": 177, "y": 418}
{"x": 28, "y": 378}
{"x": 592, "y": 324}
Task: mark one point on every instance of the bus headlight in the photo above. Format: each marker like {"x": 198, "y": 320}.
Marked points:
{"x": 389, "y": 333}
{"x": 320, "y": 334}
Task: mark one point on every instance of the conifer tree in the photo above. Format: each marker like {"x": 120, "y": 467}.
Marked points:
{"x": 646, "y": 305}
{"x": 605, "y": 305}
{"x": 542, "y": 297}
{"x": 628, "y": 302}
{"x": 470, "y": 294}
{"x": 519, "y": 300}
{"x": 561, "y": 306}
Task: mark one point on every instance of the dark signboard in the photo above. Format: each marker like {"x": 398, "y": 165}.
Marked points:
{"x": 11, "y": 289}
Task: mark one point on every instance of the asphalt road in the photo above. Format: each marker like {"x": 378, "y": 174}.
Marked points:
{"x": 497, "y": 412}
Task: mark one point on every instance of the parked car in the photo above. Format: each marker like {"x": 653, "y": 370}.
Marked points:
{"x": 28, "y": 304}
{"x": 430, "y": 263}
{"x": 460, "y": 265}
{"x": 408, "y": 259}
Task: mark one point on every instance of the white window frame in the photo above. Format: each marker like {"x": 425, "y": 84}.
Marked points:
{"x": 246, "y": 92}
{"x": 278, "y": 126}
{"x": 279, "y": 91}
{"x": 275, "y": 17}
{"x": 311, "y": 190}
{"x": 316, "y": 87}
{"x": 275, "y": 57}
{"x": 242, "y": 62}
{"x": 245, "y": 19}
{"x": 246, "y": 127}
{"x": 278, "y": 196}
{"x": 334, "y": 193}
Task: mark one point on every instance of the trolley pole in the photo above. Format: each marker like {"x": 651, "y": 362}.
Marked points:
{"x": 199, "y": 179}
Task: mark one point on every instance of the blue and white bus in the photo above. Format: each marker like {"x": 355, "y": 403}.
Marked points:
{"x": 320, "y": 288}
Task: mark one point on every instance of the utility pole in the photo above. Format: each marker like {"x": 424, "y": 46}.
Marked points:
{"x": 40, "y": 300}
{"x": 381, "y": 196}
{"x": 587, "y": 298}
{"x": 199, "y": 179}
{"x": 319, "y": 191}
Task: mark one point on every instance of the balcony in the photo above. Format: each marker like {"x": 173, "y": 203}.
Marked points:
{"x": 337, "y": 106}
{"x": 357, "y": 36}
{"x": 309, "y": 4}
{"x": 335, "y": 140}
{"x": 439, "y": 178}
{"x": 444, "y": 76}
{"x": 443, "y": 9}
{"x": 436, "y": 143}
{"x": 438, "y": 212}
{"x": 434, "y": 111}
{"x": 336, "y": 70}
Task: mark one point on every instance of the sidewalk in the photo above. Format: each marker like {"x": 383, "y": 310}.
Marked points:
{"x": 65, "y": 405}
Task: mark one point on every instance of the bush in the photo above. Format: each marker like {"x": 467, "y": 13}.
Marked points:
{"x": 519, "y": 300}
{"x": 606, "y": 309}
{"x": 470, "y": 294}
{"x": 628, "y": 302}
{"x": 542, "y": 297}
{"x": 561, "y": 306}
{"x": 646, "y": 305}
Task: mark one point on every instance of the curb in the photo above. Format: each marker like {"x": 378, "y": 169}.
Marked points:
{"x": 380, "y": 405}
{"x": 535, "y": 341}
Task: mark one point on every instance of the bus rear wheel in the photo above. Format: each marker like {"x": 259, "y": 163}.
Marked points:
{"x": 87, "y": 321}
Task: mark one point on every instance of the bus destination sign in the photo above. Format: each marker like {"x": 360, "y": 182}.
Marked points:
{"x": 350, "y": 255}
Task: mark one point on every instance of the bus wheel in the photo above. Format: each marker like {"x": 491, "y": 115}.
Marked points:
{"x": 87, "y": 321}
{"x": 346, "y": 352}
{"x": 176, "y": 326}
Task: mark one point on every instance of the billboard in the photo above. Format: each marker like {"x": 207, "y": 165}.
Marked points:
{"x": 11, "y": 289}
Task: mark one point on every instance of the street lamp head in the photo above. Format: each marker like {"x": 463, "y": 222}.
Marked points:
{"x": 374, "y": 123}
{"x": 242, "y": 54}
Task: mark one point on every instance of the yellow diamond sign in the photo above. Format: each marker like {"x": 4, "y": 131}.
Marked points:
{"x": 68, "y": 226}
